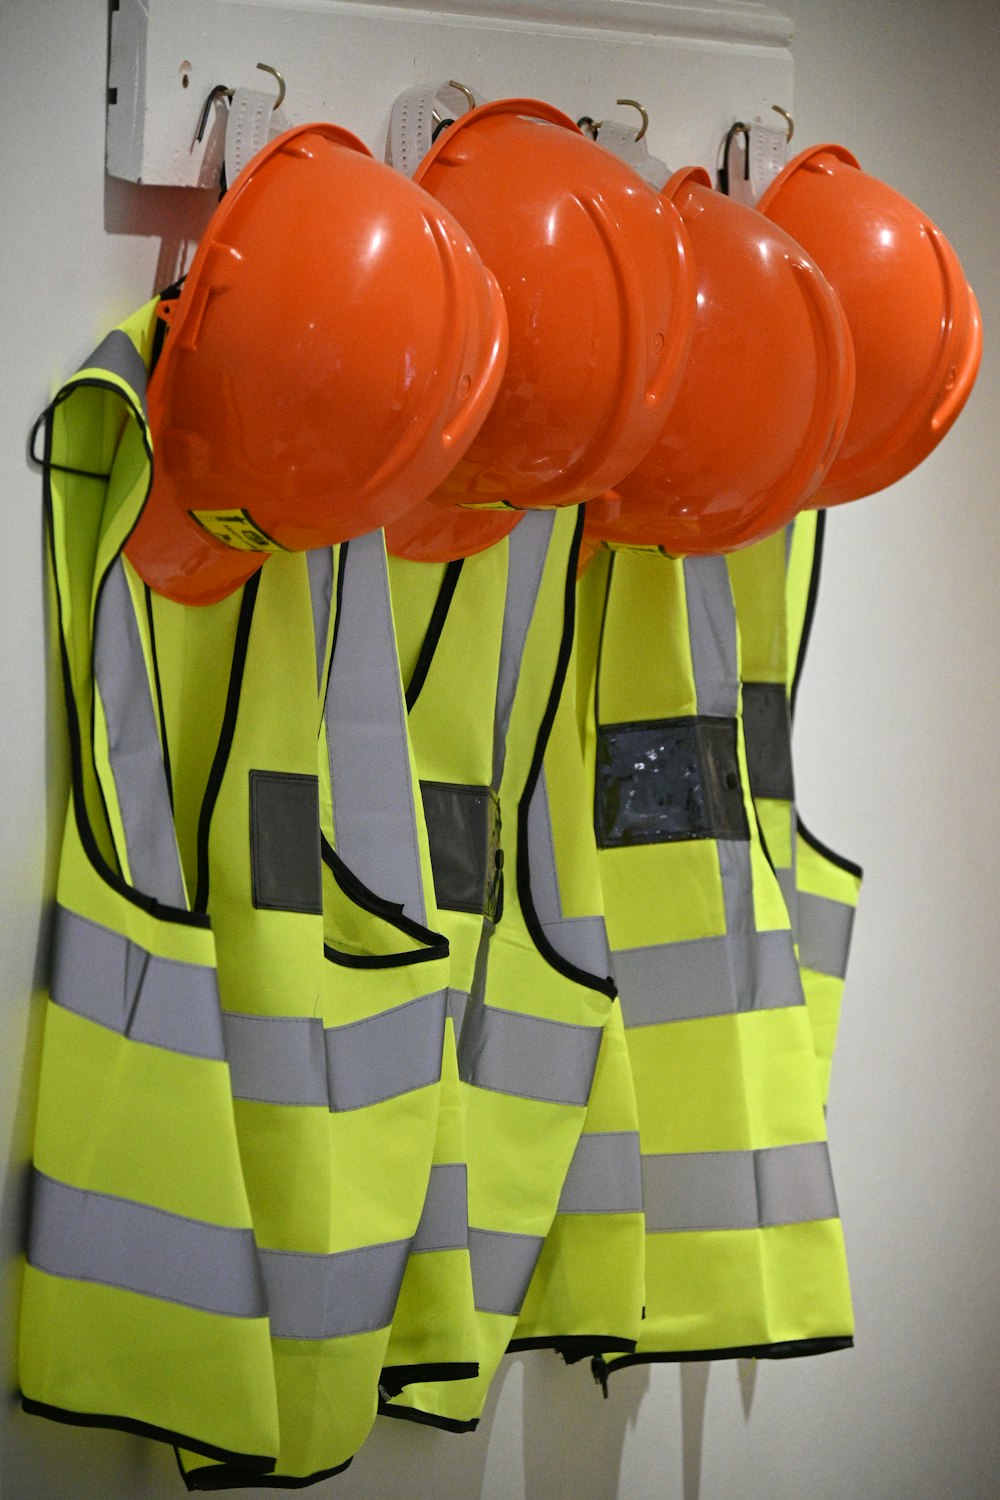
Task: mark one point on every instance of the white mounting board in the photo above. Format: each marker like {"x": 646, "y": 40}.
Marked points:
{"x": 695, "y": 67}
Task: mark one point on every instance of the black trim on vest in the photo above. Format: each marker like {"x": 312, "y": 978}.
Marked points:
{"x": 573, "y": 1346}
{"x": 600, "y": 639}
{"x": 231, "y": 1477}
{"x": 394, "y": 1378}
{"x": 811, "y": 598}
{"x": 436, "y": 944}
{"x": 226, "y": 733}
{"x": 789, "y": 1349}
{"x": 425, "y": 1418}
{"x": 255, "y": 1466}
{"x": 606, "y": 985}
{"x": 159, "y": 692}
{"x": 435, "y": 629}
{"x": 111, "y": 877}
{"x": 840, "y": 860}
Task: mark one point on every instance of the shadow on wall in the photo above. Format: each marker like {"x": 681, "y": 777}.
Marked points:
{"x": 572, "y": 1436}
{"x": 175, "y": 216}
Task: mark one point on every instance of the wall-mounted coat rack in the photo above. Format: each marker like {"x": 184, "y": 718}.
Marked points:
{"x": 696, "y": 68}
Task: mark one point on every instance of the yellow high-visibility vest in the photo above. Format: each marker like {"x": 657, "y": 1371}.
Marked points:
{"x": 144, "y": 1304}
{"x": 539, "y": 1000}
{"x": 744, "y": 1251}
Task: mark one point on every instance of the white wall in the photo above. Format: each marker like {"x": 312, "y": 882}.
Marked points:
{"x": 897, "y": 737}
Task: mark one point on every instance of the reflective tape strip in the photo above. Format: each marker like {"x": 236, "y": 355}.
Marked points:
{"x": 605, "y": 1175}
{"x": 295, "y": 1060}
{"x": 90, "y": 1236}
{"x": 118, "y": 355}
{"x": 581, "y": 940}
{"x": 277, "y": 1059}
{"x": 528, "y": 546}
{"x": 315, "y": 1296}
{"x": 704, "y": 1190}
{"x": 319, "y": 561}
{"x": 457, "y": 1000}
{"x": 768, "y": 730}
{"x": 715, "y": 660}
{"x": 134, "y": 752}
{"x": 502, "y": 1268}
{"x": 683, "y": 981}
{"x": 444, "y": 1222}
{"x": 374, "y": 816}
{"x": 786, "y": 880}
{"x": 533, "y": 1058}
{"x": 712, "y": 629}
{"x": 162, "y": 1002}
{"x": 825, "y": 929}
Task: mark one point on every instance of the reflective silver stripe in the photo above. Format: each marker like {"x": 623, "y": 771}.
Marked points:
{"x": 105, "y": 977}
{"x": 786, "y": 880}
{"x": 295, "y": 1060}
{"x": 605, "y": 1175}
{"x": 528, "y": 546}
{"x": 134, "y": 751}
{"x": 502, "y": 1268}
{"x": 456, "y": 1003}
{"x": 702, "y": 1190}
{"x": 315, "y": 1296}
{"x": 444, "y": 1223}
{"x": 825, "y": 929}
{"x": 90, "y": 1236}
{"x": 375, "y": 820}
{"x": 512, "y": 1053}
{"x": 712, "y": 628}
{"x": 319, "y": 561}
{"x": 715, "y": 662}
{"x": 118, "y": 355}
{"x": 581, "y": 940}
{"x": 683, "y": 981}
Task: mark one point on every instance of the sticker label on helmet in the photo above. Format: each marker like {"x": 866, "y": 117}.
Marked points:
{"x": 236, "y": 528}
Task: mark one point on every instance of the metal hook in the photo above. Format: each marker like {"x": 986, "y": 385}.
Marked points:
{"x": 470, "y": 96}
{"x": 266, "y": 68}
{"x": 739, "y": 127}
{"x": 219, "y": 92}
{"x": 589, "y": 126}
{"x": 789, "y": 122}
{"x": 645, "y": 117}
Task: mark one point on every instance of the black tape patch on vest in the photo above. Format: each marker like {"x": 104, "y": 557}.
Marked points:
{"x": 284, "y": 841}
{"x": 463, "y": 832}
{"x": 767, "y": 726}
{"x": 661, "y": 781}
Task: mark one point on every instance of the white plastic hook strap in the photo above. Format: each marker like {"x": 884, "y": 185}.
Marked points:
{"x": 253, "y": 121}
{"x": 768, "y": 155}
{"x": 618, "y": 137}
{"x": 415, "y": 116}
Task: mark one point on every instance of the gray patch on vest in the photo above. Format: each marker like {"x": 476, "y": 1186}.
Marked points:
{"x": 463, "y": 833}
{"x": 767, "y": 728}
{"x": 284, "y": 841}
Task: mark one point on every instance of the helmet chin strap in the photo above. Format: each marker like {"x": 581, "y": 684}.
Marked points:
{"x": 416, "y": 116}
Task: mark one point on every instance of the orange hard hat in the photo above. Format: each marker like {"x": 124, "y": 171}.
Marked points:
{"x": 597, "y": 279}
{"x": 913, "y": 317}
{"x": 766, "y": 394}
{"x": 333, "y": 351}
{"x": 444, "y": 533}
